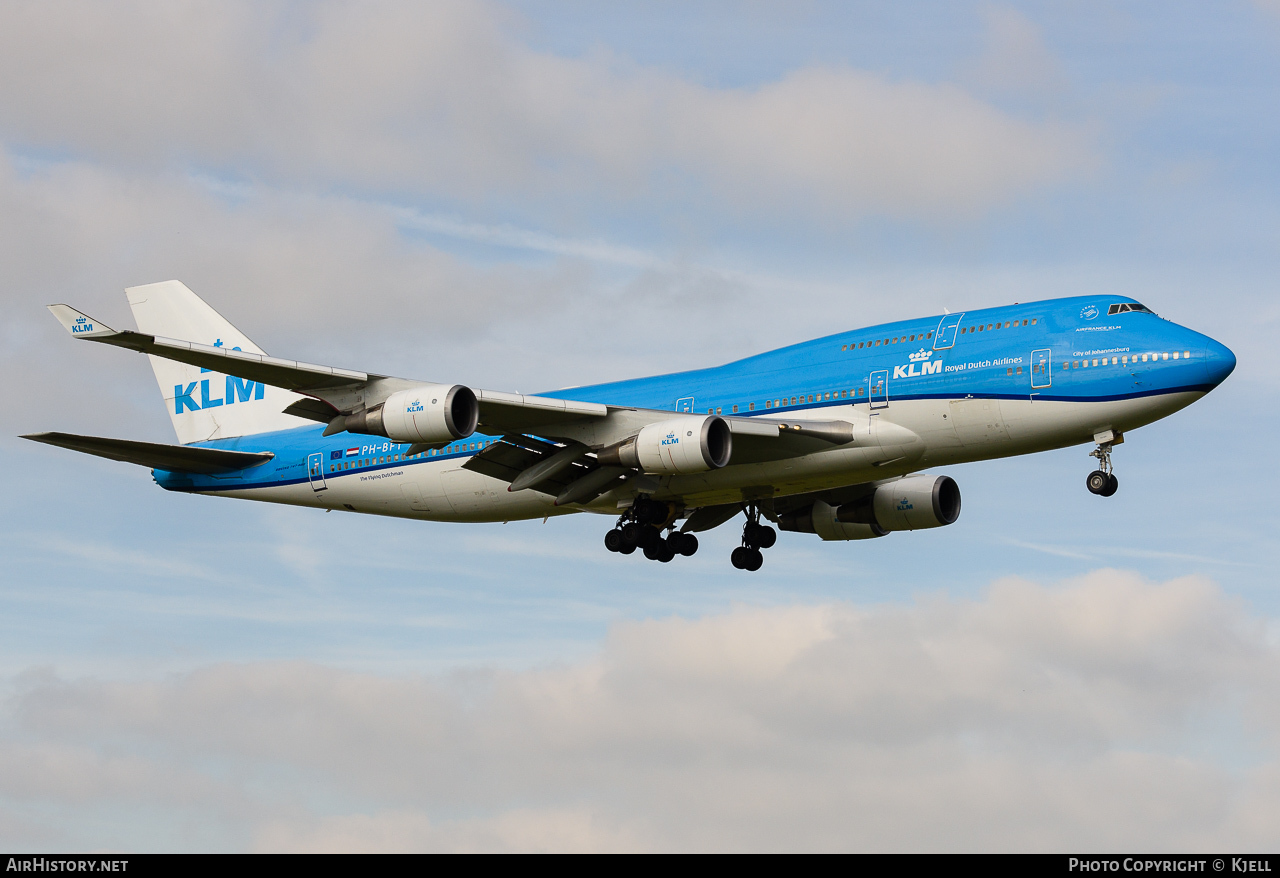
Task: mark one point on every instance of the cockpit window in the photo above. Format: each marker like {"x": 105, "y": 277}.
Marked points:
{"x": 1121, "y": 307}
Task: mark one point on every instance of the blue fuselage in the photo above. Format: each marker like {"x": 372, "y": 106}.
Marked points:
{"x": 1082, "y": 352}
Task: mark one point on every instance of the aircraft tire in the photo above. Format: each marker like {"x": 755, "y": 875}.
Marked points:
{"x": 666, "y": 551}
{"x": 765, "y": 536}
{"x": 1113, "y": 484}
{"x": 626, "y": 549}
{"x": 1097, "y": 482}
{"x": 653, "y": 551}
{"x": 631, "y": 535}
{"x": 613, "y": 540}
{"x": 688, "y": 545}
{"x": 738, "y": 558}
{"x": 753, "y": 560}
{"x": 647, "y": 537}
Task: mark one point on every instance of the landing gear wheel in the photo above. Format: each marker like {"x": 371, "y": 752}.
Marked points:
{"x": 753, "y": 560}
{"x": 688, "y": 544}
{"x": 626, "y": 549}
{"x": 666, "y": 551}
{"x": 763, "y": 536}
{"x": 1098, "y": 482}
{"x": 739, "y": 557}
{"x": 613, "y": 540}
{"x": 1112, "y": 485}
{"x": 653, "y": 551}
{"x": 647, "y": 538}
{"x": 631, "y": 535}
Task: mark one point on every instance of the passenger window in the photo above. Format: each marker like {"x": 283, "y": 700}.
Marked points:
{"x": 1019, "y": 370}
{"x": 844, "y": 394}
{"x": 826, "y": 396}
{"x": 930, "y": 335}
{"x": 1166, "y": 356}
{"x": 1186, "y": 355}
{"x": 1033, "y": 320}
{"x": 1009, "y": 371}
{"x": 844, "y": 347}
{"x": 718, "y": 411}
{"x": 735, "y": 409}
{"x": 963, "y": 331}
{"x": 751, "y": 407}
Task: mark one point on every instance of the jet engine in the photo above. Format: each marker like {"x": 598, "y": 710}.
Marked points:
{"x": 691, "y": 444}
{"x": 910, "y": 503}
{"x": 821, "y": 519}
{"x": 430, "y": 414}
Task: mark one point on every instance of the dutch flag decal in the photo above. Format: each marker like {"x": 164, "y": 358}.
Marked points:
{"x": 352, "y": 452}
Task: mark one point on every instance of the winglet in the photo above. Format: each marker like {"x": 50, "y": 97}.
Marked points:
{"x": 78, "y": 324}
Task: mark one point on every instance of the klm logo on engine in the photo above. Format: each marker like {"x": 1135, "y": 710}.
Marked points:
{"x": 921, "y": 364}
{"x": 82, "y": 324}
{"x": 905, "y": 505}
{"x": 672, "y": 439}
{"x": 415, "y": 406}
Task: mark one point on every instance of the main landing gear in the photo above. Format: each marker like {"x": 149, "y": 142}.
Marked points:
{"x": 1103, "y": 481}
{"x": 755, "y": 536}
{"x": 641, "y": 527}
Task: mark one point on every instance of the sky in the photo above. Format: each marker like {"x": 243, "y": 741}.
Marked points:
{"x": 535, "y": 195}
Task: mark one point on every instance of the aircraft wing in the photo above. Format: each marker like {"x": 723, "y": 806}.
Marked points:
{"x": 337, "y": 392}
{"x": 289, "y": 374}
{"x": 341, "y": 389}
{"x": 176, "y": 458}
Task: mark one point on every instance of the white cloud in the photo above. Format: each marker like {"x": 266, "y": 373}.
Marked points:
{"x": 441, "y": 100}
{"x": 1088, "y": 715}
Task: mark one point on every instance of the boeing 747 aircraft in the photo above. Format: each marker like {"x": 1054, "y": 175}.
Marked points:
{"x": 827, "y": 437}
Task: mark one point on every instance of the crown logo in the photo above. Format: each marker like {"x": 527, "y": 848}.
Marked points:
{"x": 919, "y": 355}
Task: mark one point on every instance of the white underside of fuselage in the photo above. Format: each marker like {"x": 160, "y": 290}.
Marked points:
{"x": 945, "y": 432}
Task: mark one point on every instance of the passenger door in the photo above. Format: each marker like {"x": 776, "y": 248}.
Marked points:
{"x": 315, "y": 471}
{"x": 945, "y": 336}
{"x": 1041, "y": 368}
{"x": 878, "y": 389}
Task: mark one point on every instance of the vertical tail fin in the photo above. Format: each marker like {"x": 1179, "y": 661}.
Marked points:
{"x": 206, "y": 405}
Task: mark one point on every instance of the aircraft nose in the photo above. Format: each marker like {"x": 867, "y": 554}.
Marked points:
{"x": 1219, "y": 362}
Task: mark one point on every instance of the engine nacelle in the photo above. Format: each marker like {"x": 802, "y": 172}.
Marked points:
{"x": 691, "y": 444}
{"x": 910, "y": 503}
{"x": 821, "y": 519}
{"x": 431, "y": 414}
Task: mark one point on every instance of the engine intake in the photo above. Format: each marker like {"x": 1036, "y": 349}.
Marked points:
{"x": 430, "y": 414}
{"x": 692, "y": 444}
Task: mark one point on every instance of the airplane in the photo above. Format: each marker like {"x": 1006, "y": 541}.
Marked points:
{"x": 829, "y": 437}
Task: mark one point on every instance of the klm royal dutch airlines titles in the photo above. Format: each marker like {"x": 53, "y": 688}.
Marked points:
{"x": 829, "y": 437}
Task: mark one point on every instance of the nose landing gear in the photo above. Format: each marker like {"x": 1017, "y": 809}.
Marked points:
{"x": 755, "y": 536}
{"x": 1103, "y": 481}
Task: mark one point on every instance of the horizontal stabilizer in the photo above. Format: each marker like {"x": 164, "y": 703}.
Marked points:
{"x": 175, "y": 458}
